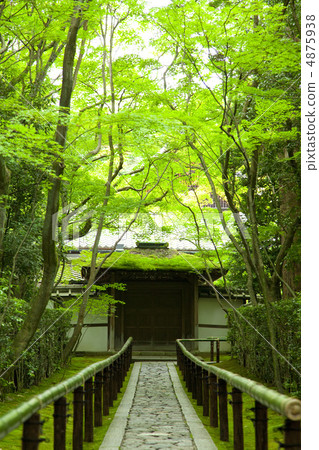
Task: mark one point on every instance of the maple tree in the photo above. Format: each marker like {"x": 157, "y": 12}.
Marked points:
{"x": 115, "y": 110}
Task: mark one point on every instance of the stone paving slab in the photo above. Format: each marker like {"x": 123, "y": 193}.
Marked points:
{"x": 156, "y": 413}
{"x": 201, "y": 437}
{"x": 116, "y": 430}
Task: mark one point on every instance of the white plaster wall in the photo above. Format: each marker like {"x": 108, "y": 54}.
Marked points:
{"x": 93, "y": 339}
{"x": 211, "y": 313}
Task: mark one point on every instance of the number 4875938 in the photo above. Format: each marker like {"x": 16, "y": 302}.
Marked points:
{"x": 310, "y": 39}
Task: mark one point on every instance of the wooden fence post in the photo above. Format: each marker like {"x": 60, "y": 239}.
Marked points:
{"x": 114, "y": 380}
{"x": 59, "y": 423}
{"x": 126, "y": 366}
{"x": 261, "y": 426}
{"x": 188, "y": 373}
{"x": 178, "y": 357}
{"x": 88, "y": 425}
{"x": 237, "y": 404}
{"x": 193, "y": 377}
{"x": 111, "y": 382}
{"x": 120, "y": 374}
{"x": 31, "y": 433}
{"x": 212, "y": 343}
{"x": 123, "y": 369}
{"x": 129, "y": 360}
{"x": 217, "y": 350}
{"x": 185, "y": 367}
{"x": 205, "y": 394}
{"x": 199, "y": 385}
{"x": 106, "y": 391}
{"x": 98, "y": 420}
{"x": 78, "y": 418}
{"x": 292, "y": 434}
{"x": 213, "y": 400}
{"x": 223, "y": 411}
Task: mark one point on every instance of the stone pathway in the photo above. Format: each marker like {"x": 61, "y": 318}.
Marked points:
{"x": 155, "y": 413}
{"x": 156, "y": 420}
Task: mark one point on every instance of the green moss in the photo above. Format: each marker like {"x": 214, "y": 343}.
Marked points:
{"x": 13, "y": 440}
{"x": 146, "y": 259}
{"x": 163, "y": 259}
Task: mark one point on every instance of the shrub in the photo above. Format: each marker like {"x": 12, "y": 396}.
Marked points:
{"x": 254, "y": 353}
{"x": 45, "y": 353}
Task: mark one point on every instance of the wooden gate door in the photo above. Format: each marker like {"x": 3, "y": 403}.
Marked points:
{"x": 153, "y": 314}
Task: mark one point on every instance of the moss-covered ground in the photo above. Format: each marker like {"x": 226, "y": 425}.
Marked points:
{"x": 13, "y": 440}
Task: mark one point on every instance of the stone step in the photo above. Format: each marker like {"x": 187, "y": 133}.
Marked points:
{"x": 154, "y": 352}
{"x": 154, "y": 355}
{"x": 153, "y": 358}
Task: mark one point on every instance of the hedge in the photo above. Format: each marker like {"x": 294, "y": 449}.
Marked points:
{"x": 45, "y": 355}
{"x": 254, "y": 353}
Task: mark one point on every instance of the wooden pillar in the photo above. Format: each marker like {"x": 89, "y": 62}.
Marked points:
{"x": 119, "y": 374}
{"x": 59, "y": 423}
{"x": 199, "y": 385}
{"x": 88, "y": 425}
{"x": 178, "y": 357}
{"x": 106, "y": 391}
{"x": 127, "y": 363}
{"x": 195, "y": 303}
{"x": 293, "y": 434}
{"x": 205, "y": 394}
{"x": 131, "y": 356}
{"x": 120, "y": 314}
{"x": 111, "y": 382}
{"x": 217, "y": 350}
{"x": 78, "y": 418}
{"x": 261, "y": 427}
{"x": 188, "y": 373}
{"x": 183, "y": 364}
{"x": 212, "y": 343}
{"x": 237, "y": 404}
{"x": 115, "y": 380}
{"x": 193, "y": 382}
{"x": 31, "y": 433}
{"x": 223, "y": 411}
{"x": 112, "y": 331}
{"x": 98, "y": 420}
{"x": 213, "y": 400}
{"x": 123, "y": 365}
{"x": 111, "y": 317}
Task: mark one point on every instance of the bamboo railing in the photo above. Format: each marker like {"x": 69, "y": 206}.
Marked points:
{"x": 94, "y": 390}
{"x": 208, "y": 385}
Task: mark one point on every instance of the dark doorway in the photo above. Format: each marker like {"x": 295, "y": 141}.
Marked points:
{"x": 156, "y": 313}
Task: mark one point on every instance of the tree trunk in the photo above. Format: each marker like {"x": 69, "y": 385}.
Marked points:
{"x": 291, "y": 271}
{"x": 5, "y": 175}
{"x": 50, "y": 259}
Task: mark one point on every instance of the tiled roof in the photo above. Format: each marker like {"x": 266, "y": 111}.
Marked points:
{"x": 108, "y": 240}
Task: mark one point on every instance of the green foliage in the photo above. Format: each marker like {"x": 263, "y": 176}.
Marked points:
{"x": 143, "y": 123}
{"x": 44, "y": 355}
{"x": 101, "y": 303}
{"x": 21, "y": 258}
{"x": 254, "y": 353}
{"x": 237, "y": 103}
